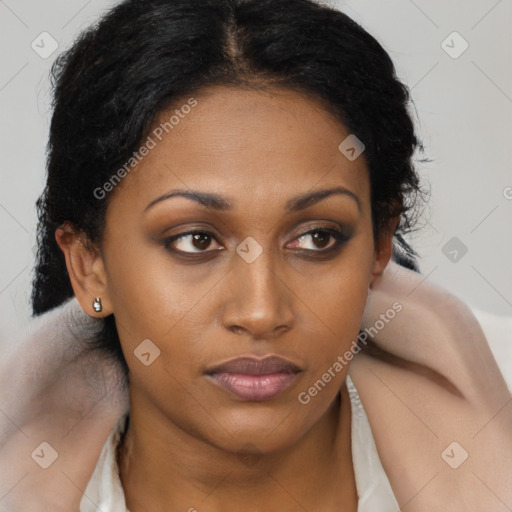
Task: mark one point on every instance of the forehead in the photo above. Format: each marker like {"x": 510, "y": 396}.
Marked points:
{"x": 248, "y": 145}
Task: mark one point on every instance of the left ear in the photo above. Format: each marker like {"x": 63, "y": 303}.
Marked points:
{"x": 86, "y": 270}
{"x": 383, "y": 250}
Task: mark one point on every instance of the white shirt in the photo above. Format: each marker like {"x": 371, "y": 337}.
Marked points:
{"x": 104, "y": 491}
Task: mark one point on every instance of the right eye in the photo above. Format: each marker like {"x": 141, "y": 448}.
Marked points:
{"x": 199, "y": 240}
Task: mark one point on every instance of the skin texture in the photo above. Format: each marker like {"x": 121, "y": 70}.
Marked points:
{"x": 192, "y": 444}
{"x": 190, "y": 438}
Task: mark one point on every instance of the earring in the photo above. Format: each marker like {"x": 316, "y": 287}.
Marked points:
{"x": 96, "y": 304}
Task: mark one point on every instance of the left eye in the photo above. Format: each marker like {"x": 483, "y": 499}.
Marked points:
{"x": 319, "y": 237}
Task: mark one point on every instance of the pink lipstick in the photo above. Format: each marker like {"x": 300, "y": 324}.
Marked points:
{"x": 253, "y": 379}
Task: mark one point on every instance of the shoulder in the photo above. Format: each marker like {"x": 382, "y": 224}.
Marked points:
{"x": 437, "y": 403}
{"x": 104, "y": 487}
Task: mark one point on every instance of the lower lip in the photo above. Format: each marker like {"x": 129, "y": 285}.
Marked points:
{"x": 254, "y": 387}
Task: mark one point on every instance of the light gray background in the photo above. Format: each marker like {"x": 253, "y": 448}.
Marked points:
{"x": 464, "y": 107}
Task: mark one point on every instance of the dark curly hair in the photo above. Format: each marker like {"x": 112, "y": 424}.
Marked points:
{"x": 144, "y": 55}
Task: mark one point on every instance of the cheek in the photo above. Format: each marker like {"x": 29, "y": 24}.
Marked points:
{"x": 158, "y": 311}
{"x": 339, "y": 311}
{"x": 331, "y": 342}
{"x": 150, "y": 293}
{"x": 339, "y": 298}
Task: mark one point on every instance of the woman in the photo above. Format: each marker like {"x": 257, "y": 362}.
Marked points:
{"x": 275, "y": 139}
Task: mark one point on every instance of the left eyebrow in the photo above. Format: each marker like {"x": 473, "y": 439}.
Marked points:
{"x": 309, "y": 199}
{"x": 218, "y": 202}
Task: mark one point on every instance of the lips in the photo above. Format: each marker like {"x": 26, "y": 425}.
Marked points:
{"x": 255, "y": 366}
{"x": 253, "y": 379}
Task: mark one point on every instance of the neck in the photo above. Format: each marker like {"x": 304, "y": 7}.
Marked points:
{"x": 163, "y": 467}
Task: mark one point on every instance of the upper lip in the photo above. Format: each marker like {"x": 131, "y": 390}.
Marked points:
{"x": 250, "y": 365}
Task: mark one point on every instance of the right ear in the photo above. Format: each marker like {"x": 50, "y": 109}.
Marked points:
{"x": 86, "y": 270}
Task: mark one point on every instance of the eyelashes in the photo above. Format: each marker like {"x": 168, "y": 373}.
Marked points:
{"x": 338, "y": 236}
{"x": 200, "y": 240}
{"x": 198, "y": 237}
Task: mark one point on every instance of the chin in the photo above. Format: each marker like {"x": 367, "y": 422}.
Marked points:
{"x": 259, "y": 433}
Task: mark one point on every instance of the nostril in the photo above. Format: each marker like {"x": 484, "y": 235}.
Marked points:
{"x": 236, "y": 329}
{"x": 282, "y": 328}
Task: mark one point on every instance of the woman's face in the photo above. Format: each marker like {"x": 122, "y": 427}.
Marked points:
{"x": 277, "y": 267}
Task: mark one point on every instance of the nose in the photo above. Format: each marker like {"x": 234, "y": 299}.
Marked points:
{"x": 259, "y": 301}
